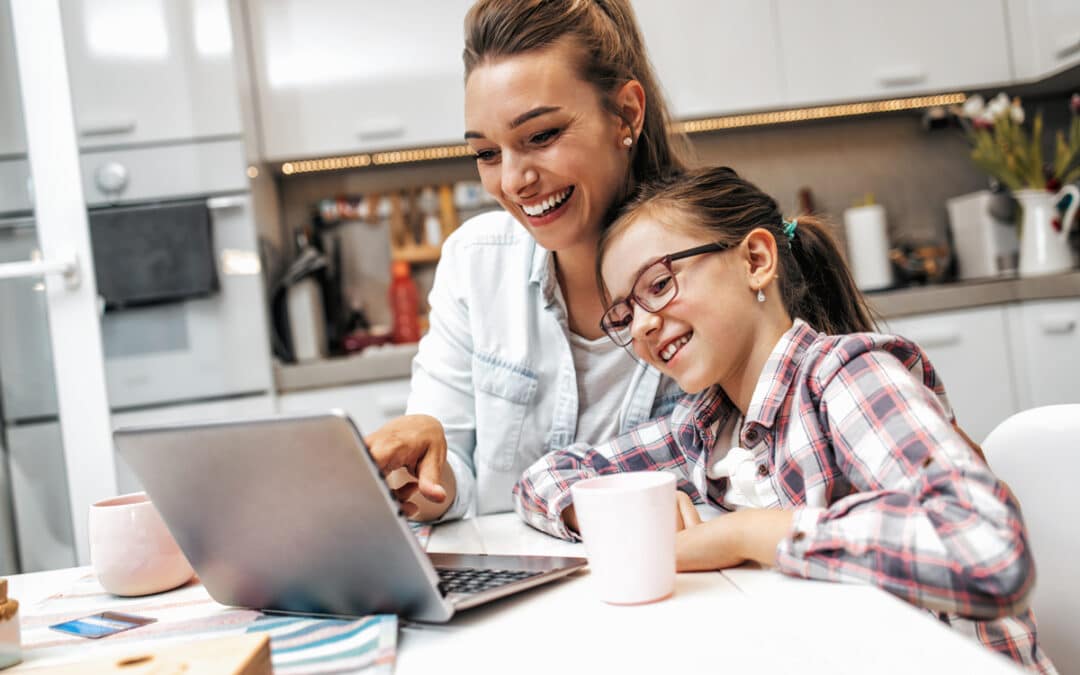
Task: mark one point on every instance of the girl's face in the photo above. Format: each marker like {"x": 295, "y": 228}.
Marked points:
{"x": 546, "y": 149}
{"x": 705, "y": 334}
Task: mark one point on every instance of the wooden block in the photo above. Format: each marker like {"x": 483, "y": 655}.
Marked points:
{"x": 234, "y": 655}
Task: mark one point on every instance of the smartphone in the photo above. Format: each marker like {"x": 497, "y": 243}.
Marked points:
{"x": 102, "y": 625}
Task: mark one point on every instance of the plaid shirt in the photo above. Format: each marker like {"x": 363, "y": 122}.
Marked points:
{"x": 853, "y": 433}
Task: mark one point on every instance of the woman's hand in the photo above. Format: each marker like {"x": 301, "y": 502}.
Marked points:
{"x": 731, "y": 539}
{"x": 417, "y": 444}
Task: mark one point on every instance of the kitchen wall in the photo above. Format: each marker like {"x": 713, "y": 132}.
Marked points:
{"x": 908, "y": 169}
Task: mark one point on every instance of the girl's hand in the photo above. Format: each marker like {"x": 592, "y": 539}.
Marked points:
{"x": 417, "y": 444}
{"x": 686, "y": 514}
{"x": 708, "y": 546}
{"x": 732, "y": 539}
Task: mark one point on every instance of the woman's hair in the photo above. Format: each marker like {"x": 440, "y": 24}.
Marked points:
{"x": 611, "y": 51}
{"x": 814, "y": 281}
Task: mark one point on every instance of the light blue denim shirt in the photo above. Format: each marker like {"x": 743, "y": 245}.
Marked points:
{"x": 498, "y": 336}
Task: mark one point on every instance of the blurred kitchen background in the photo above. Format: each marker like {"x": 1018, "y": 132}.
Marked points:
{"x": 268, "y": 183}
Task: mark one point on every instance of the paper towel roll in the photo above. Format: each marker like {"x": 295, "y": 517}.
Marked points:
{"x": 868, "y": 247}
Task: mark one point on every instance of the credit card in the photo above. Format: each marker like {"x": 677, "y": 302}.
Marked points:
{"x": 102, "y": 625}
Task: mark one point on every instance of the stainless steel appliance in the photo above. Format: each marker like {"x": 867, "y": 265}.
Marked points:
{"x": 206, "y": 347}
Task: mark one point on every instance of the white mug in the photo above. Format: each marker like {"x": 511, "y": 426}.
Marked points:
{"x": 627, "y": 521}
{"x": 131, "y": 549}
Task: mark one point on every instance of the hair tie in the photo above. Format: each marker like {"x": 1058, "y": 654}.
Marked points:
{"x": 789, "y": 227}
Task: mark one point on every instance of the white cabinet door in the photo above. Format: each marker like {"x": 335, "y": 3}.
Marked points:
{"x": 342, "y": 76}
{"x": 713, "y": 56}
{"x": 1045, "y": 36}
{"x": 370, "y": 405}
{"x": 836, "y": 50}
{"x": 145, "y": 71}
{"x": 970, "y": 351}
{"x": 1046, "y": 351}
{"x": 12, "y": 135}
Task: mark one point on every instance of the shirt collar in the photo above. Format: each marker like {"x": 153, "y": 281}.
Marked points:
{"x": 779, "y": 373}
{"x": 543, "y": 273}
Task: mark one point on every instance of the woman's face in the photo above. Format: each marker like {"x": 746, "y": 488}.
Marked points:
{"x": 705, "y": 333}
{"x": 545, "y": 147}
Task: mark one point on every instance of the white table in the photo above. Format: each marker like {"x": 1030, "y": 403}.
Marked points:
{"x": 742, "y": 620}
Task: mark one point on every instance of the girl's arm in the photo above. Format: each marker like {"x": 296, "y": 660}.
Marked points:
{"x": 542, "y": 495}
{"x": 929, "y": 521}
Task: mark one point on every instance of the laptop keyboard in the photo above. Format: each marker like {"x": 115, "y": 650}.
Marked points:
{"x": 471, "y": 580}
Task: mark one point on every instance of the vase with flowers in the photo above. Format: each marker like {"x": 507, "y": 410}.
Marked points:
{"x": 1002, "y": 147}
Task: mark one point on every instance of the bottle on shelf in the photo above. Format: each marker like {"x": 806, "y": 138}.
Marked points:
{"x": 404, "y": 303}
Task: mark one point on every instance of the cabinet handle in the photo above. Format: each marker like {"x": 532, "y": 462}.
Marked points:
{"x": 1059, "y": 325}
{"x": 900, "y": 76}
{"x": 380, "y": 129}
{"x": 1067, "y": 46}
{"x": 936, "y": 339}
{"x": 107, "y": 128}
{"x": 217, "y": 203}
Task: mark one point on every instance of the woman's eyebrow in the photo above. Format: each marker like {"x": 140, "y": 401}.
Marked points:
{"x": 520, "y": 119}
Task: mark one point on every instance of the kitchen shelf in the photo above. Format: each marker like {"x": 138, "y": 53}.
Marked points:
{"x": 385, "y": 362}
{"x": 416, "y": 254}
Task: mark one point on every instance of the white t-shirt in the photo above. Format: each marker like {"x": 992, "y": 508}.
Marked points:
{"x": 602, "y": 368}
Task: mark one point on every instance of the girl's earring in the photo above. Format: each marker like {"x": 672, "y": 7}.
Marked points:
{"x": 760, "y": 295}
{"x": 628, "y": 141}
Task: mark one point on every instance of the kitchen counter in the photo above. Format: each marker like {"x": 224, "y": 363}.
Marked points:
{"x": 391, "y": 362}
{"x": 973, "y": 293}
{"x": 385, "y": 362}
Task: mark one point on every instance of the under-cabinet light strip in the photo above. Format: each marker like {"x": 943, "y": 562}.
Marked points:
{"x": 688, "y": 127}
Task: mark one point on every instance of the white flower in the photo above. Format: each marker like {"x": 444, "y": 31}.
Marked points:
{"x": 973, "y": 106}
{"x": 999, "y": 106}
{"x": 987, "y": 116}
{"x": 1016, "y": 112}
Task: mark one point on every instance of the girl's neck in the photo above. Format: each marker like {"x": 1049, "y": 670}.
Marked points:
{"x": 576, "y": 271}
{"x": 741, "y": 385}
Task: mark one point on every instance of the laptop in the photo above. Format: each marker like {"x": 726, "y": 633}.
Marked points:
{"x": 291, "y": 514}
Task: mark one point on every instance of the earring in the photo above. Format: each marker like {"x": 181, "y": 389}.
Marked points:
{"x": 628, "y": 141}
{"x": 760, "y": 295}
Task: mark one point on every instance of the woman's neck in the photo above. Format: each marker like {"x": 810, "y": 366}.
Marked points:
{"x": 576, "y": 272}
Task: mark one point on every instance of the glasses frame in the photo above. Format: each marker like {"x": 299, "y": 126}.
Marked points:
{"x": 666, "y": 261}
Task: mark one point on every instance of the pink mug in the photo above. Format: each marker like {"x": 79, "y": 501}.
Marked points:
{"x": 131, "y": 549}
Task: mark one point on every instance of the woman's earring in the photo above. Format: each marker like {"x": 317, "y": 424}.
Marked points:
{"x": 760, "y": 295}
{"x": 628, "y": 141}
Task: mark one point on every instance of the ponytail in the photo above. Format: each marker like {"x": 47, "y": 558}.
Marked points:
{"x": 814, "y": 281}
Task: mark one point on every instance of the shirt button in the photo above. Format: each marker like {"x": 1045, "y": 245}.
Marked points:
{"x": 762, "y": 470}
{"x": 798, "y": 536}
{"x": 752, "y": 436}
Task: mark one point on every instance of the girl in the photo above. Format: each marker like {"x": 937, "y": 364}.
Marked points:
{"x": 564, "y": 115}
{"x": 832, "y": 447}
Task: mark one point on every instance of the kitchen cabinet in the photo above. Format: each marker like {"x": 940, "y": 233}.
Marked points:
{"x": 12, "y": 133}
{"x": 713, "y": 56}
{"x": 837, "y": 50}
{"x": 971, "y": 352}
{"x": 344, "y": 76}
{"x": 151, "y": 72}
{"x": 1045, "y": 36}
{"x": 370, "y": 405}
{"x": 1045, "y": 337}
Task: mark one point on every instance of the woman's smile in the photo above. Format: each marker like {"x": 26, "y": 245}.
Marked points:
{"x": 543, "y": 211}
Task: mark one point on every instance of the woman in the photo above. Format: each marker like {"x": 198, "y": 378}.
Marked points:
{"x": 565, "y": 117}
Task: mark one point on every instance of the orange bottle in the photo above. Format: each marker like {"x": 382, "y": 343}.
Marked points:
{"x": 404, "y": 303}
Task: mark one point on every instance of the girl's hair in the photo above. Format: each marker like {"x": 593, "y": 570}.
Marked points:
{"x": 611, "y": 53}
{"x": 814, "y": 281}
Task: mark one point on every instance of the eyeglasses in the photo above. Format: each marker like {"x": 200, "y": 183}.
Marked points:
{"x": 654, "y": 287}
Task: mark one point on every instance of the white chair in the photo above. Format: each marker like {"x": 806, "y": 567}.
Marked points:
{"x": 1037, "y": 452}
